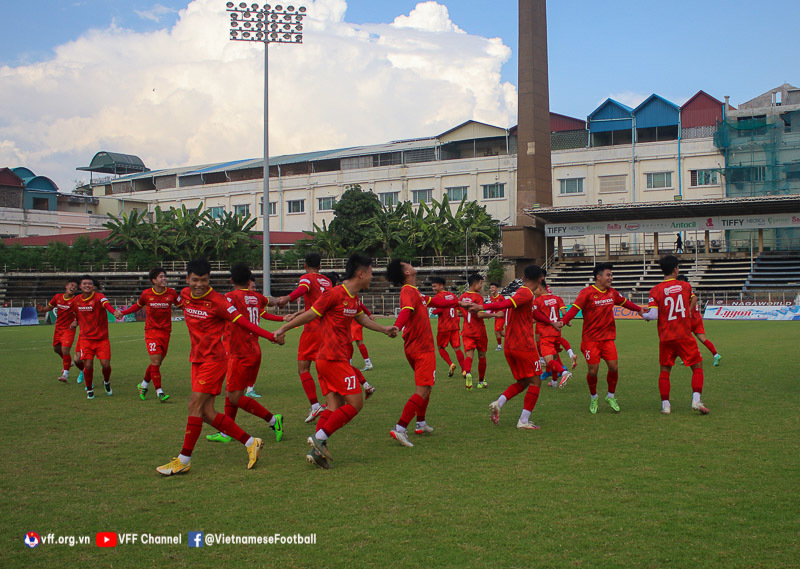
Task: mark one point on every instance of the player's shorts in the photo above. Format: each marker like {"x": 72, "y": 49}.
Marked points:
{"x": 697, "y": 326}
{"x": 64, "y": 337}
{"x": 448, "y": 338}
{"x": 499, "y": 324}
{"x": 337, "y": 376}
{"x": 549, "y": 345}
{"x": 424, "y": 366}
{"x": 685, "y": 348}
{"x": 207, "y": 377}
{"x": 472, "y": 343}
{"x": 309, "y": 346}
{"x": 242, "y": 372}
{"x": 357, "y": 332}
{"x": 100, "y": 349}
{"x": 157, "y": 342}
{"x": 602, "y": 350}
{"x": 523, "y": 364}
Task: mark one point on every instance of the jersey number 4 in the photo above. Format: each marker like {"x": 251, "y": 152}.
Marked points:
{"x": 675, "y": 306}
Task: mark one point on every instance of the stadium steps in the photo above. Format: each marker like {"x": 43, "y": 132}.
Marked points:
{"x": 773, "y": 272}
{"x": 723, "y": 276}
{"x": 3, "y": 288}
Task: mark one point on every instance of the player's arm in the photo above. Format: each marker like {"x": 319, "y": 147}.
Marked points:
{"x": 50, "y": 306}
{"x": 257, "y": 330}
{"x": 499, "y": 305}
{"x": 299, "y": 320}
{"x": 620, "y": 300}
{"x": 271, "y": 317}
{"x": 107, "y": 305}
{"x": 130, "y": 310}
{"x": 301, "y": 289}
{"x": 440, "y": 301}
{"x": 403, "y": 317}
{"x": 368, "y": 322}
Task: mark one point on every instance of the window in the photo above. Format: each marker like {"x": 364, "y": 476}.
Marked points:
{"x": 389, "y": 199}
{"x": 297, "y": 206}
{"x": 571, "y": 186}
{"x": 217, "y": 212}
{"x": 242, "y": 209}
{"x": 658, "y": 180}
{"x": 273, "y": 208}
{"x": 494, "y": 191}
{"x": 420, "y": 196}
{"x": 457, "y": 194}
{"x": 326, "y": 204}
{"x": 41, "y": 203}
{"x": 611, "y": 184}
{"x": 704, "y": 177}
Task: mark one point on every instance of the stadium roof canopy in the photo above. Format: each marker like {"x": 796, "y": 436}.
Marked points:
{"x": 115, "y": 163}
{"x": 759, "y": 205}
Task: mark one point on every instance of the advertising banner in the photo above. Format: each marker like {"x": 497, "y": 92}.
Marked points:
{"x": 19, "y": 316}
{"x": 728, "y": 312}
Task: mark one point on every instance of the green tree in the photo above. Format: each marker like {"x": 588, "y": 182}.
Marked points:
{"x": 355, "y": 208}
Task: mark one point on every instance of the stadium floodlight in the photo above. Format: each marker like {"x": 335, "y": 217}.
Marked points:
{"x": 267, "y": 24}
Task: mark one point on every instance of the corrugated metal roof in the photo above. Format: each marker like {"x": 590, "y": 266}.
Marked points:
{"x": 656, "y": 111}
{"x": 611, "y": 115}
{"x": 382, "y": 148}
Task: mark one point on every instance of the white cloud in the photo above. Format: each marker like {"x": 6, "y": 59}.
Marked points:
{"x": 187, "y": 95}
{"x": 155, "y": 13}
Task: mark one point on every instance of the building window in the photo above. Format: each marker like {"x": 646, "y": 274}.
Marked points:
{"x": 273, "y": 207}
{"x": 421, "y": 196}
{"x": 494, "y": 191}
{"x": 658, "y": 180}
{"x": 242, "y": 209}
{"x": 297, "y": 206}
{"x": 457, "y": 194}
{"x": 612, "y": 184}
{"x": 389, "y": 199}
{"x": 571, "y": 186}
{"x": 217, "y": 212}
{"x": 704, "y": 177}
{"x": 326, "y": 204}
{"x": 41, "y": 203}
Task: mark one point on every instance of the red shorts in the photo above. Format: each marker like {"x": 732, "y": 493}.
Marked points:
{"x": 424, "y": 366}
{"x": 157, "y": 342}
{"x": 309, "y": 346}
{"x": 337, "y": 376}
{"x": 448, "y": 338}
{"x": 596, "y": 351}
{"x": 697, "y": 326}
{"x": 207, "y": 377}
{"x": 472, "y": 343}
{"x": 89, "y": 349}
{"x": 549, "y": 345}
{"x": 64, "y": 337}
{"x": 499, "y": 324}
{"x": 242, "y": 372}
{"x": 523, "y": 364}
{"x": 685, "y": 348}
{"x": 357, "y": 332}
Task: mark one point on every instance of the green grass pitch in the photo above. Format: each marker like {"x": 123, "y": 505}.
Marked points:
{"x": 636, "y": 489}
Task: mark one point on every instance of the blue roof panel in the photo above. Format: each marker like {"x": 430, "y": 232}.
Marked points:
{"x": 656, "y": 111}
{"x": 611, "y": 115}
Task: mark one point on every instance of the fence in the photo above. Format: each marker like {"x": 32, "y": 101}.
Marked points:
{"x": 690, "y": 247}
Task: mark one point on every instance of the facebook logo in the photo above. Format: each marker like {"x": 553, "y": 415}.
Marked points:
{"x": 196, "y": 539}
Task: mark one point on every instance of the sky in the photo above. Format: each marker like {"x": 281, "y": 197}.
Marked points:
{"x": 161, "y": 79}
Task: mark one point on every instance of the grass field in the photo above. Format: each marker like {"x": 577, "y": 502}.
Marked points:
{"x": 636, "y": 489}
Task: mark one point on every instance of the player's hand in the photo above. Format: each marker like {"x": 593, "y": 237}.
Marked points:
{"x": 118, "y": 314}
{"x": 280, "y": 339}
{"x": 289, "y": 317}
{"x": 73, "y": 325}
{"x": 558, "y": 325}
{"x": 392, "y": 331}
{"x": 282, "y": 301}
{"x": 466, "y": 303}
{"x": 372, "y": 317}
{"x": 574, "y": 361}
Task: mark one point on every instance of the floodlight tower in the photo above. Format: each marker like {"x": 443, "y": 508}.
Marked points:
{"x": 267, "y": 24}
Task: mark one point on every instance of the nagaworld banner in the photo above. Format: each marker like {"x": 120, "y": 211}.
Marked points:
{"x": 728, "y": 312}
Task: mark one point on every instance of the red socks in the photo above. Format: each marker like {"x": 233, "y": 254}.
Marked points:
{"x": 364, "y": 353}
{"x": 513, "y": 390}
{"x": 254, "y": 408}
{"x": 339, "y": 419}
{"x": 307, "y": 380}
{"x": 555, "y": 367}
{"x": 194, "y": 426}
{"x": 481, "y": 368}
{"x": 710, "y": 347}
{"x": 107, "y": 374}
{"x": 155, "y": 375}
{"x": 531, "y": 397}
{"x": 468, "y": 365}
{"x": 460, "y": 358}
{"x": 147, "y": 373}
{"x": 411, "y": 408}
{"x": 445, "y": 356}
{"x": 230, "y": 409}
{"x": 360, "y": 376}
{"x": 663, "y": 385}
{"x": 323, "y": 418}
{"x": 226, "y": 425}
{"x": 66, "y": 362}
{"x": 423, "y": 408}
{"x": 592, "y": 381}
{"x": 88, "y": 376}
{"x": 612, "y": 378}
{"x": 697, "y": 380}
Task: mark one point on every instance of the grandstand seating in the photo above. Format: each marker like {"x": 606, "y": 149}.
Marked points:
{"x": 774, "y": 272}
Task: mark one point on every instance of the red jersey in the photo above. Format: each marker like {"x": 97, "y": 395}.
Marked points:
{"x": 673, "y": 299}
{"x": 598, "y": 313}
{"x": 473, "y": 326}
{"x": 250, "y": 304}
{"x": 336, "y": 309}
{"x": 158, "y": 307}
{"x": 417, "y": 335}
{"x": 448, "y": 317}
{"x": 65, "y": 311}
{"x": 316, "y": 285}
{"x": 92, "y": 317}
{"x": 206, "y": 318}
{"x": 519, "y": 328}
{"x": 550, "y": 305}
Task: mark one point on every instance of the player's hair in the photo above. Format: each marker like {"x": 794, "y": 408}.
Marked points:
{"x": 682, "y": 278}
{"x": 241, "y": 275}
{"x": 199, "y": 267}
{"x": 313, "y": 260}
{"x": 494, "y": 284}
{"x": 533, "y": 272}
{"x": 438, "y": 280}
{"x": 394, "y": 272}
{"x": 543, "y": 284}
{"x": 155, "y": 271}
{"x": 75, "y": 280}
{"x": 333, "y": 276}
{"x": 600, "y": 267}
{"x": 86, "y": 278}
{"x": 96, "y": 283}
{"x": 473, "y": 278}
{"x": 354, "y": 262}
{"x": 668, "y": 263}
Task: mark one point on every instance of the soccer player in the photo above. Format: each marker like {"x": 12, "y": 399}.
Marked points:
{"x": 672, "y": 302}
{"x": 158, "y": 302}
{"x": 90, "y": 309}
{"x": 335, "y": 309}
{"x": 413, "y": 320}
{"x": 206, "y": 313}
{"x": 552, "y": 308}
{"x": 244, "y": 353}
{"x": 64, "y": 333}
{"x": 448, "y": 331}
{"x": 311, "y": 287}
{"x": 599, "y": 330}
{"x": 499, "y": 323}
{"x": 520, "y": 349}
{"x": 699, "y": 330}
{"x": 474, "y": 332}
